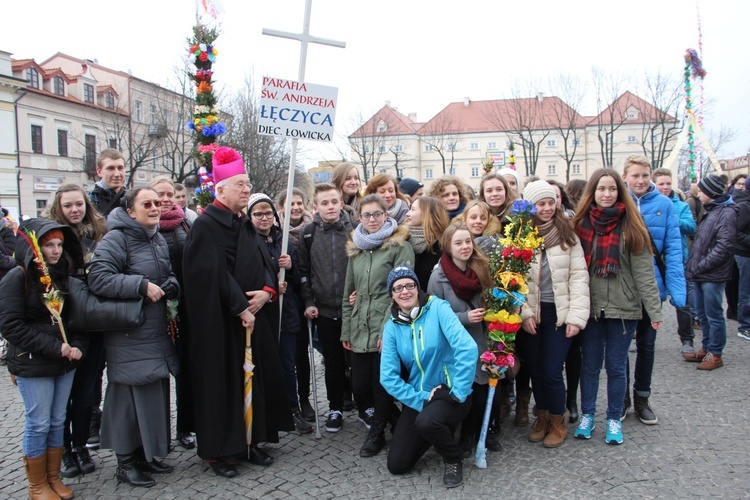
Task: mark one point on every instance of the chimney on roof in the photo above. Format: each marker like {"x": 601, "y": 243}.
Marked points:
{"x": 467, "y": 101}
{"x": 388, "y": 103}
{"x": 540, "y": 97}
{"x": 413, "y": 116}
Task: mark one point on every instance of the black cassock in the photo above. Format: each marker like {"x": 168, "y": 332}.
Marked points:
{"x": 223, "y": 259}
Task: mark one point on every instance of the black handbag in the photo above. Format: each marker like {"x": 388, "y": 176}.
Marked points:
{"x": 84, "y": 311}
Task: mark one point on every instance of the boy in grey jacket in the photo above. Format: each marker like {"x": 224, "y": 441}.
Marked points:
{"x": 322, "y": 264}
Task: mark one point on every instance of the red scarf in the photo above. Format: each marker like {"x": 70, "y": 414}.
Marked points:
{"x": 465, "y": 284}
{"x": 606, "y": 224}
{"x": 171, "y": 219}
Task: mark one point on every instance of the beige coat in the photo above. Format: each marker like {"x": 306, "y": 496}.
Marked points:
{"x": 570, "y": 285}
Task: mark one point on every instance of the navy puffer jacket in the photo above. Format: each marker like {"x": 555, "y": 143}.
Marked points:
{"x": 126, "y": 260}
{"x": 712, "y": 256}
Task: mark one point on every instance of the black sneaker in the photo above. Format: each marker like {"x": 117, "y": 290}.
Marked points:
{"x": 375, "y": 441}
{"x": 69, "y": 465}
{"x": 644, "y": 411}
{"x": 625, "y": 405}
{"x": 300, "y": 423}
{"x": 454, "y": 474}
{"x": 334, "y": 421}
{"x": 83, "y": 459}
{"x": 366, "y": 417}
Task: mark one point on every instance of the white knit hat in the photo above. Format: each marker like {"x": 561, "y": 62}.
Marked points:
{"x": 510, "y": 171}
{"x": 538, "y": 190}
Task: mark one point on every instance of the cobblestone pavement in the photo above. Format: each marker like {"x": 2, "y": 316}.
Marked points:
{"x": 698, "y": 449}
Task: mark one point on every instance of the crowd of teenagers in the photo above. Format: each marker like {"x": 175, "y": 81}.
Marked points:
{"x": 391, "y": 277}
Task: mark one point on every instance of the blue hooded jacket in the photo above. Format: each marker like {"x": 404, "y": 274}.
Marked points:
{"x": 435, "y": 348}
{"x": 660, "y": 216}
{"x": 687, "y": 223}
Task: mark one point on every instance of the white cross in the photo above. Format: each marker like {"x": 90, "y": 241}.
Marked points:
{"x": 304, "y": 38}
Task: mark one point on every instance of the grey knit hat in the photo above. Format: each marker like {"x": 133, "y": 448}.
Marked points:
{"x": 712, "y": 186}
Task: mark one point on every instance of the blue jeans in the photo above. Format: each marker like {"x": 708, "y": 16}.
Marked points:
{"x": 605, "y": 340}
{"x": 545, "y": 353}
{"x": 709, "y": 307}
{"x": 743, "y": 309}
{"x": 645, "y": 343}
{"x": 45, "y": 400}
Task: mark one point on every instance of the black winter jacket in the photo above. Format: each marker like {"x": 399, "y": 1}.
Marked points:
{"x": 323, "y": 267}
{"x": 104, "y": 199}
{"x": 7, "y": 248}
{"x": 34, "y": 339}
{"x": 126, "y": 260}
{"x": 712, "y": 255}
{"x": 742, "y": 246}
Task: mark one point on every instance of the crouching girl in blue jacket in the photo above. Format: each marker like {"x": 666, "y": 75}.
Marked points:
{"x": 424, "y": 334}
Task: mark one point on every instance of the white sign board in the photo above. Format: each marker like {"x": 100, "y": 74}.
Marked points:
{"x": 297, "y": 110}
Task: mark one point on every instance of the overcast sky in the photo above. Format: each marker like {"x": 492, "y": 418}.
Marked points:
{"x": 418, "y": 54}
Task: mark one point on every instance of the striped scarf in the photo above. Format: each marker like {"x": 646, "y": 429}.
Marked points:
{"x": 606, "y": 224}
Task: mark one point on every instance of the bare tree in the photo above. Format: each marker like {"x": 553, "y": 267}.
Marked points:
{"x": 611, "y": 110}
{"x": 368, "y": 141}
{"x": 522, "y": 119}
{"x": 661, "y": 102}
{"x": 441, "y": 134}
{"x": 400, "y": 157}
{"x": 267, "y": 157}
{"x": 565, "y": 108}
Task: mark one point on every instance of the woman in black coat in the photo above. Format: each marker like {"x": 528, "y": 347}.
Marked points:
{"x": 132, "y": 261}
{"x": 41, "y": 357}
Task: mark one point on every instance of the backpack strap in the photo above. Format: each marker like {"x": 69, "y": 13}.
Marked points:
{"x": 308, "y": 233}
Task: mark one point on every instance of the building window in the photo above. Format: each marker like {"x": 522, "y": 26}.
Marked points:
{"x": 382, "y": 149}
{"x": 428, "y": 173}
{"x": 109, "y": 100}
{"x": 428, "y": 148}
{"x": 657, "y": 137}
{"x": 398, "y": 148}
{"x": 632, "y": 138}
{"x": 152, "y": 114}
{"x": 41, "y": 205}
{"x": 577, "y": 141}
{"x": 382, "y": 126}
{"x": 62, "y": 142}
{"x": 551, "y": 169}
{"x": 36, "y": 139}
{"x": 451, "y": 171}
{"x": 59, "y": 85}
{"x": 112, "y": 143}
{"x": 632, "y": 114}
{"x": 492, "y": 145}
{"x": 575, "y": 169}
{"x": 552, "y": 143}
{"x": 90, "y": 154}
{"x": 507, "y": 143}
{"x": 451, "y": 146}
{"x": 475, "y": 171}
{"x": 137, "y": 105}
{"x": 474, "y": 146}
{"x": 32, "y": 76}
{"x": 88, "y": 93}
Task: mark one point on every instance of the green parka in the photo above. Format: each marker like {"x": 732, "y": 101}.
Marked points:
{"x": 367, "y": 273}
{"x": 620, "y": 296}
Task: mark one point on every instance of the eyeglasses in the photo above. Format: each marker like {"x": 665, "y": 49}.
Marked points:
{"x": 263, "y": 215}
{"x": 148, "y": 204}
{"x": 243, "y": 185}
{"x": 374, "y": 215}
{"x": 401, "y": 288}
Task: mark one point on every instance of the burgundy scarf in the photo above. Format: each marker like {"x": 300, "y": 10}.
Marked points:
{"x": 465, "y": 284}
{"x": 606, "y": 224}
{"x": 171, "y": 219}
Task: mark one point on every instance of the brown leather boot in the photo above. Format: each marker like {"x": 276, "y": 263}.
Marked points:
{"x": 522, "y": 408}
{"x": 36, "y": 472}
{"x": 54, "y": 458}
{"x": 540, "y": 427}
{"x": 695, "y": 356}
{"x": 558, "y": 431}
{"x": 711, "y": 362}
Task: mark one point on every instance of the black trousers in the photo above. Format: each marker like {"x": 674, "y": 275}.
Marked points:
{"x": 417, "y": 431}
{"x": 367, "y": 389}
{"x": 81, "y": 401}
{"x": 329, "y": 335}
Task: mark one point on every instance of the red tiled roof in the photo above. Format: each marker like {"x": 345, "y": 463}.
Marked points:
{"x": 101, "y": 89}
{"x": 398, "y": 123}
{"x": 618, "y": 111}
{"x": 52, "y": 72}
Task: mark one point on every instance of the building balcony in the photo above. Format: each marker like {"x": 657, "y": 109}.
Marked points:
{"x": 157, "y": 131}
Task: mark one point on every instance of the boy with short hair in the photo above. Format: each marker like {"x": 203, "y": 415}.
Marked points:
{"x": 322, "y": 264}
{"x": 710, "y": 267}
{"x": 659, "y": 214}
{"x": 663, "y": 181}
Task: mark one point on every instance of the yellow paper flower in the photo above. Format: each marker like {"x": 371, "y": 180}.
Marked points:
{"x": 502, "y": 317}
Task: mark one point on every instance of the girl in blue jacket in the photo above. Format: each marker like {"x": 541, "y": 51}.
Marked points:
{"x": 425, "y": 335}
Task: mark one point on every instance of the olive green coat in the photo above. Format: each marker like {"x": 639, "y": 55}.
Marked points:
{"x": 367, "y": 273}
